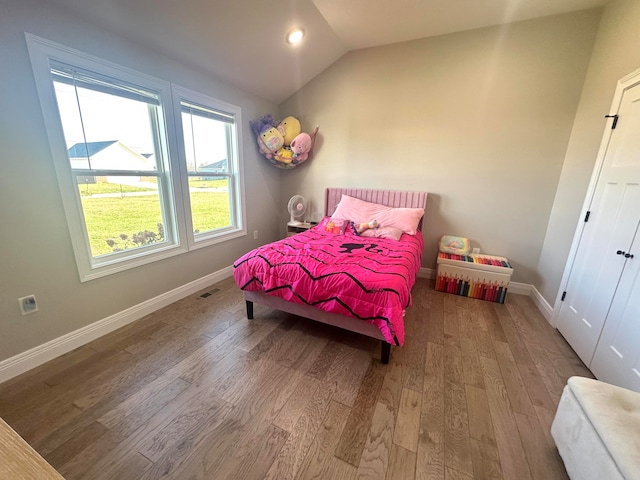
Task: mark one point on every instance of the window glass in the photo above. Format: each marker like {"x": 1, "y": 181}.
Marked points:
{"x": 209, "y": 155}
{"x": 111, "y": 148}
{"x": 120, "y": 214}
{"x": 210, "y": 207}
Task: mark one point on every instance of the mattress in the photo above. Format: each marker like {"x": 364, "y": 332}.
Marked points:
{"x": 366, "y": 278}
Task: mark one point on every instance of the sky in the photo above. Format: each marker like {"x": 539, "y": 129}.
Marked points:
{"x": 109, "y": 117}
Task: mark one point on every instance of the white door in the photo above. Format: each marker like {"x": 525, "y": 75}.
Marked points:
{"x": 617, "y": 357}
{"x": 607, "y": 236}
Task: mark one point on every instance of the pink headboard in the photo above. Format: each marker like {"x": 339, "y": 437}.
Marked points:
{"x": 389, "y": 198}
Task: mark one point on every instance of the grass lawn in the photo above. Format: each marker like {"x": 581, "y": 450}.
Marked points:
{"x": 87, "y": 189}
{"x": 195, "y": 182}
{"x": 218, "y": 183}
{"x": 108, "y": 218}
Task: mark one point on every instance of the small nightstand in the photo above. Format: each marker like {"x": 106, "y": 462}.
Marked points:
{"x": 293, "y": 228}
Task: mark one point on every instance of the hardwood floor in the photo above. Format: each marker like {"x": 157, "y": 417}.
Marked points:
{"x": 196, "y": 390}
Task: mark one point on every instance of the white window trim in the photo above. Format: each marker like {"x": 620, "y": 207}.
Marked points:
{"x": 40, "y": 52}
{"x": 235, "y": 165}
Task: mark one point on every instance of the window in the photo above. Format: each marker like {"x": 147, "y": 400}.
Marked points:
{"x": 142, "y": 177}
{"x": 210, "y": 161}
{"x": 116, "y": 155}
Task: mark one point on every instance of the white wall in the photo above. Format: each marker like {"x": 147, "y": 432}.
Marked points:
{"x": 615, "y": 54}
{"x": 35, "y": 250}
{"x": 478, "y": 119}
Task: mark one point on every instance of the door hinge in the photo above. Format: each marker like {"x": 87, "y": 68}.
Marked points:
{"x": 564, "y": 294}
{"x": 586, "y": 217}
{"x": 615, "y": 120}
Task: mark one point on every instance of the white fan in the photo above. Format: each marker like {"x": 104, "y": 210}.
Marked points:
{"x": 297, "y": 206}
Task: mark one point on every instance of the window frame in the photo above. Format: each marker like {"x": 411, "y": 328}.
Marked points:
{"x": 163, "y": 172}
{"x": 235, "y": 175}
{"x": 178, "y": 233}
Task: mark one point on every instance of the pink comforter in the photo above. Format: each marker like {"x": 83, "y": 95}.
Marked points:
{"x": 365, "y": 278}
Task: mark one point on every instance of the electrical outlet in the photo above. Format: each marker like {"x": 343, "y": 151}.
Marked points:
{"x": 255, "y": 234}
{"x": 28, "y": 304}
{"x": 475, "y": 250}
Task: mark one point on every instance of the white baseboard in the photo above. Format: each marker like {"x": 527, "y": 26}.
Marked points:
{"x": 520, "y": 288}
{"x": 427, "y": 273}
{"x": 542, "y": 304}
{"x": 24, "y": 361}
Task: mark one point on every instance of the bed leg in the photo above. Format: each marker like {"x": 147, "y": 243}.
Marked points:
{"x": 385, "y": 352}
{"x": 249, "y": 309}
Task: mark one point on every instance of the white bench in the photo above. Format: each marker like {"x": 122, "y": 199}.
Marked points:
{"x": 597, "y": 431}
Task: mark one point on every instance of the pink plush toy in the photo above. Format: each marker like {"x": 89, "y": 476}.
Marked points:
{"x": 301, "y": 146}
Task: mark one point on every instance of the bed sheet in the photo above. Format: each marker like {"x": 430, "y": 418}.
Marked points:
{"x": 366, "y": 278}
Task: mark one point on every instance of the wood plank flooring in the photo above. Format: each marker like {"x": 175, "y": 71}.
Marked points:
{"x": 196, "y": 390}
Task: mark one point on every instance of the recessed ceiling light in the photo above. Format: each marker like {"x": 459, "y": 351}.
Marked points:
{"x": 295, "y": 35}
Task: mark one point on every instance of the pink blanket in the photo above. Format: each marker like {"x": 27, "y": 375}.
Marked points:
{"x": 365, "y": 278}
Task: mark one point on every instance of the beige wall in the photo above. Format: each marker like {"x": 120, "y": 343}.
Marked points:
{"x": 479, "y": 119}
{"x": 616, "y": 53}
{"x": 35, "y": 250}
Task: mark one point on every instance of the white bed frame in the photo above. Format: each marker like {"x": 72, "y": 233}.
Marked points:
{"x": 332, "y": 197}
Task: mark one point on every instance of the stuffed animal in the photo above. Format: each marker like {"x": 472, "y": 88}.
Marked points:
{"x": 289, "y": 128}
{"x": 282, "y": 143}
{"x": 284, "y": 155}
{"x": 263, "y": 123}
{"x": 361, "y": 227}
{"x": 302, "y": 144}
{"x": 270, "y": 141}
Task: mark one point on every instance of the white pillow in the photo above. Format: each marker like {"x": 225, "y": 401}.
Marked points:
{"x": 359, "y": 211}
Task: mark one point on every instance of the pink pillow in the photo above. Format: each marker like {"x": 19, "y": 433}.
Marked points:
{"x": 392, "y": 233}
{"x": 359, "y": 211}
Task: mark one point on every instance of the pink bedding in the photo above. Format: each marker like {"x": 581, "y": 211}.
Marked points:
{"x": 365, "y": 278}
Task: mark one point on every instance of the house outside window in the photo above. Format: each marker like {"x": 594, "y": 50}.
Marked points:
{"x": 146, "y": 169}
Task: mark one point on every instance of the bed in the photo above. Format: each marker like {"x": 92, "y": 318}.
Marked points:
{"x": 361, "y": 284}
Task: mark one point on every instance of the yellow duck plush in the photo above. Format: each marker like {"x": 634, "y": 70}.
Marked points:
{"x": 284, "y": 155}
{"x": 290, "y": 129}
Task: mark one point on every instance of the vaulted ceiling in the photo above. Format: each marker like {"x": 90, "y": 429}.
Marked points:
{"x": 243, "y": 41}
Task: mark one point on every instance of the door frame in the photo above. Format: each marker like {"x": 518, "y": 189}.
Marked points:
{"x": 625, "y": 83}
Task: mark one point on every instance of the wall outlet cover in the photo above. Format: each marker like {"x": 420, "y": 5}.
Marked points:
{"x": 28, "y": 304}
